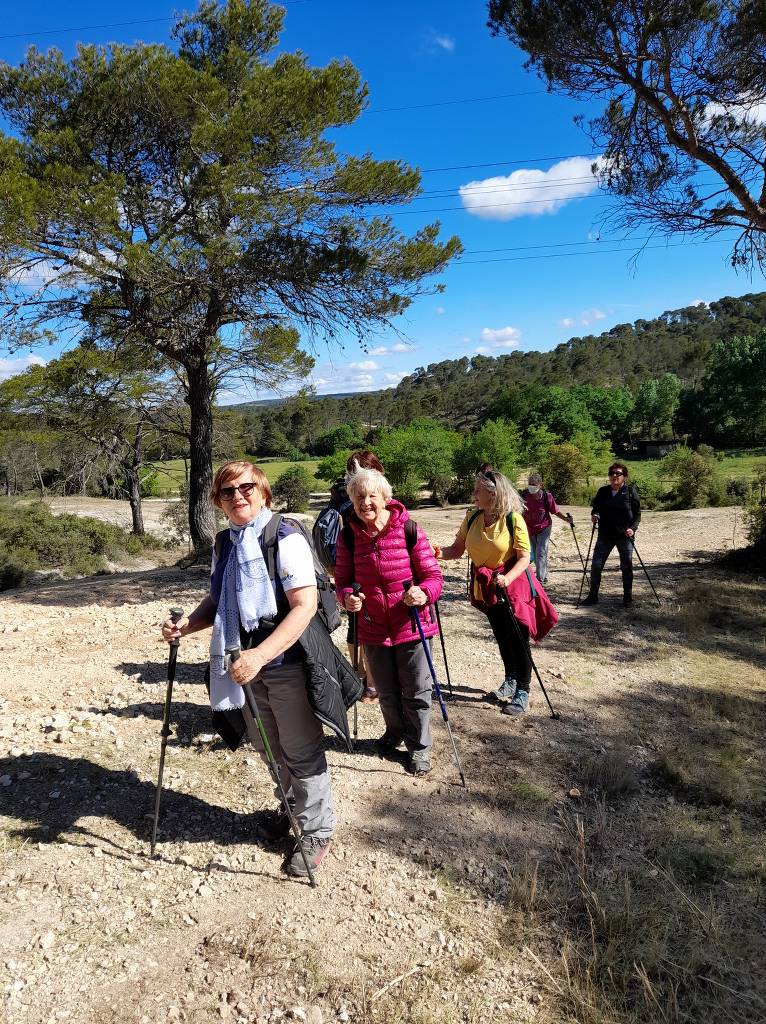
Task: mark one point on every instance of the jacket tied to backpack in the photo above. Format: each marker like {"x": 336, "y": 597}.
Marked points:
{"x": 381, "y": 565}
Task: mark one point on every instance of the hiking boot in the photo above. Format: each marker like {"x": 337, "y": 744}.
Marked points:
{"x": 590, "y": 599}
{"x": 274, "y": 826}
{"x": 505, "y": 692}
{"x": 387, "y": 743}
{"x": 315, "y": 849}
{"x": 420, "y": 762}
{"x": 627, "y": 600}
{"x": 518, "y": 705}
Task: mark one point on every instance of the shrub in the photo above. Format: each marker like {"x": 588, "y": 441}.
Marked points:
{"x": 562, "y": 471}
{"x": 497, "y": 442}
{"x": 739, "y": 489}
{"x": 293, "y": 489}
{"x": 150, "y": 484}
{"x": 650, "y": 491}
{"x": 755, "y": 519}
{"x": 33, "y": 538}
{"x": 421, "y": 451}
{"x": 460, "y": 490}
{"x": 440, "y": 486}
{"x": 333, "y": 466}
{"x": 695, "y": 473}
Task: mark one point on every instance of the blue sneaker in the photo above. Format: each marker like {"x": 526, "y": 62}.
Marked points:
{"x": 505, "y": 692}
{"x": 518, "y": 705}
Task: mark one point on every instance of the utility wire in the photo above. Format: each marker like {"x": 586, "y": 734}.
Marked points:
{"x": 452, "y": 103}
{"x": 592, "y": 252}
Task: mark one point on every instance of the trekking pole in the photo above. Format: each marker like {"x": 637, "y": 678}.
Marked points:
{"x": 444, "y": 649}
{"x": 640, "y": 559}
{"x": 577, "y": 545}
{"x": 585, "y": 563}
{"x": 439, "y": 695}
{"x": 503, "y": 597}
{"x": 176, "y": 614}
{"x": 356, "y": 587}
{"x": 233, "y": 654}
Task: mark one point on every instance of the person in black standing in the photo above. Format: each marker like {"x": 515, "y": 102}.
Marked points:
{"x": 617, "y": 513}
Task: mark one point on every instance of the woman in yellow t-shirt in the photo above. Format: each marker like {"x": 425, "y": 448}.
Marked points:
{"x": 484, "y": 534}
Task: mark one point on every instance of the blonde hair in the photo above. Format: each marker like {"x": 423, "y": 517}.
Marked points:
{"x": 505, "y": 497}
{"x": 230, "y": 471}
{"x": 368, "y": 481}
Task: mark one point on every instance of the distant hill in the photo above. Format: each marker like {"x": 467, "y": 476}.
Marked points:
{"x": 264, "y": 402}
{"x": 459, "y": 391}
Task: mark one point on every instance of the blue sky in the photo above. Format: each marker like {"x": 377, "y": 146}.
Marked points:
{"x": 535, "y": 190}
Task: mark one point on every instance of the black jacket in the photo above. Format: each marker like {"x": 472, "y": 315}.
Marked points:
{"x": 332, "y": 686}
{"x": 617, "y": 512}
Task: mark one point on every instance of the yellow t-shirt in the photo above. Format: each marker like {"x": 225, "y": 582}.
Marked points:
{"x": 491, "y": 546}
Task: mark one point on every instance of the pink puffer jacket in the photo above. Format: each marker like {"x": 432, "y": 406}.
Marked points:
{"x": 381, "y": 566}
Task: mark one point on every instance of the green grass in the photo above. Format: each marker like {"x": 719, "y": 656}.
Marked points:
{"x": 171, "y": 473}
{"x": 737, "y": 462}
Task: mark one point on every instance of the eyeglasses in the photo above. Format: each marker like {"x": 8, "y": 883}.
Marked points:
{"x": 227, "y": 493}
{"x": 616, "y": 472}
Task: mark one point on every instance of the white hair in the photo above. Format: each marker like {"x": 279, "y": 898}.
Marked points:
{"x": 368, "y": 481}
{"x": 505, "y": 496}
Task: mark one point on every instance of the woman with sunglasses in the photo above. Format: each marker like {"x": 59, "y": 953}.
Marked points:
{"x": 265, "y": 619}
{"x": 617, "y": 513}
{"x": 504, "y": 555}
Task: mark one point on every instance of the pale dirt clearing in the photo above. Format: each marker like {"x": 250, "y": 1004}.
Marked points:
{"x": 419, "y": 915}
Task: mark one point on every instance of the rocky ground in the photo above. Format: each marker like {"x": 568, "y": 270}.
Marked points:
{"x": 428, "y": 908}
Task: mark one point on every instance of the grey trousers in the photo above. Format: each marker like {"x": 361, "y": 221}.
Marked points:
{"x": 295, "y": 737}
{"x": 403, "y": 682}
{"x": 539, "y": 543}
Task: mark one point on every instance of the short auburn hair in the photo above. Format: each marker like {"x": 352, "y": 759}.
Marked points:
{"x": 364, "y": 459}
{"x": 621, "y": 466}
{"x": 230, "y": 471}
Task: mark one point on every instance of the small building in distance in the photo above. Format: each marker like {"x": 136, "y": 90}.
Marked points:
{"x": 654, "y": 449}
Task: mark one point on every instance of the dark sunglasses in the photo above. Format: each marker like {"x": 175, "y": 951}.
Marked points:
{"x": 227, "y": 493}
{"x": 616, "y": 472}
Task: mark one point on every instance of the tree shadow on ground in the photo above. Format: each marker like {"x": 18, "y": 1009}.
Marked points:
{"x": 112, "y": 590}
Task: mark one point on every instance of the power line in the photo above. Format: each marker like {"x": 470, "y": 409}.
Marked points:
{"x": 506, "y": 163}
{"x": 592, "y": 252}
{"x": 452, "y": 103}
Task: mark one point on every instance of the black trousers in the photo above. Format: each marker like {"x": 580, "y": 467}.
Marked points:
{"x": 605, "y": 543}
{"x": 514, "y": 652}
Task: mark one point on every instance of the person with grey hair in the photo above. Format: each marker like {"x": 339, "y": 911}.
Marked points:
{"x": 540, "y": 506}
{"x": 495, "y": 536}
{"x": 373, "y": 551}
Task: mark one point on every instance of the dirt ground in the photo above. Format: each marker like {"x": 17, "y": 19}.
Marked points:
{"x": 437, "y": 904}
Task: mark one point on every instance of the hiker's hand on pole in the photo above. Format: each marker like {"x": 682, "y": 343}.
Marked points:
{"x": 594, "y": 518}
{"x": 629, "y": 532}
{"x": 246, "y": 667}
{"x": 172, "y": 630}
{"x": 353, "y": 602}
{"x": 415, "y": 597}
{"x": 570, "y": 519}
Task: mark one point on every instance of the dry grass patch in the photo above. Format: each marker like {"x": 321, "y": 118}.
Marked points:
{"x": 608, "y": 774}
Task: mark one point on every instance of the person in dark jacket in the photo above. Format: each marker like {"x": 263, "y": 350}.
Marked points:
{"x": 242, "y": 606}
{"x": 617, "y": 513}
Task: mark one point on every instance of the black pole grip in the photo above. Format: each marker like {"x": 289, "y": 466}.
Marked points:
{"x": 356, "y": 588}
{"x": 233, "y": 653}
{"x": 407, "y": 584}
{"x": 176, "y": 614}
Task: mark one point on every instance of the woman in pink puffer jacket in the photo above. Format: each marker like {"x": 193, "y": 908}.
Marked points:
{"x": 381, "y": 562}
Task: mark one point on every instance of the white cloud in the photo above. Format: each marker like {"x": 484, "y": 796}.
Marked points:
{"x": 380, "y": 350}
{"x": 698, "y": 302}
{"x": 482, "y": 350}
{"x": 588, "y": 316}
{"x": 566, "y": 321}
{"x": 12, "y": 367}
{"x": 393, "y": 378}
{"x": 530, "y": 192}
{"x": 440, "y": 310}
{"x": 402, "y": 346}
{"x": 501, "y": 337}
{"x": 442, "y": 42}
{"x": 366, "y": 364}
{"x": 751, "y": 111}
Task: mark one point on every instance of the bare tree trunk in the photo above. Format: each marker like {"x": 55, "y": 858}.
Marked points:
{"x": 201, "y": 514}
{"x": 133, "y": 479}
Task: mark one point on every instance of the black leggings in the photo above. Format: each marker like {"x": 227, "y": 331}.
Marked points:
{"x": 514, "y": 652}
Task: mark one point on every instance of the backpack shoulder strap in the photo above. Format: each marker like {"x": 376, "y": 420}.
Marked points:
{"x": 410, "y": 534}
{"x": 348, "y": 538}
{"x": 545, "y": 502}
{"x": 220, "y": 538}
{"x": 472, "y": 520}
{"x": 269, "y": 544}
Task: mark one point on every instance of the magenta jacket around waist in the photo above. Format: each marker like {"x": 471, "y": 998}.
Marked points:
{"x": 382, "y": 565}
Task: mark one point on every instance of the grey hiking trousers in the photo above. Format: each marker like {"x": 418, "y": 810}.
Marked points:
{"x": 403, "y": 682}
{"x": 295, "y": 737}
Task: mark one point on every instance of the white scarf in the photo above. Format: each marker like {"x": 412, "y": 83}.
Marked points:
{"x": 247, "y": 596}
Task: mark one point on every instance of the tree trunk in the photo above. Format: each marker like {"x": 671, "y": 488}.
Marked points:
{"x": 133, "y": 480}
{"x": 201, "y": 514}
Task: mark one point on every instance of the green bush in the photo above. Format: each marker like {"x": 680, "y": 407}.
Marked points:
{"x": 696, "y": 476}
{"x": 650, "y": 491}
{"x": 293, "y": 489}
{"x": 333, "y": 466}
{"x": 150, "y": 484}
{"x": 460, "y": 490}
{"x": 739, "y": 489}
{"x": 562, "y": 471}
{"x": 755, "y": 519}
{"x": 497, "y": 442}
{"x": 33, "y": 538}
